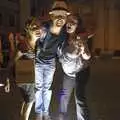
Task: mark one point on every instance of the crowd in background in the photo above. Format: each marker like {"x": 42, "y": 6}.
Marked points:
{"x": 8, "y": 43}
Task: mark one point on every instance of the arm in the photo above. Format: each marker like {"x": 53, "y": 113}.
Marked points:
{"x": 85, "y": 52}
{"x": 19, "y": 54}
{"x": 82, "y": 46}
{"x": 86, "y": 56}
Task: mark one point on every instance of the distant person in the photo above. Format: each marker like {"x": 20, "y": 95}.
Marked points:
{"x": 7, "y": 73}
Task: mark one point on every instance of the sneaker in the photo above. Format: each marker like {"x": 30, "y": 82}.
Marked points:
{"x": 47, "y": 117}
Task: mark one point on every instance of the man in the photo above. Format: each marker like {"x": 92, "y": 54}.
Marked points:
{"x": 52, "y": 35}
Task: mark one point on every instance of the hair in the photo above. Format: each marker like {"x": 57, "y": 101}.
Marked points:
{"x": 80, "y": 29}
{"x": 30, "y": 25}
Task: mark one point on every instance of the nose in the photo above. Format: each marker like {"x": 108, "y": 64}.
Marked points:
{"x": 69, "y": 26}
{"x": 60, "y": 18}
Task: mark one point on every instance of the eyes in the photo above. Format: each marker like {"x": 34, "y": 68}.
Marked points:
{"x": 35, "y": 27}
{"x": 71, "y": 24}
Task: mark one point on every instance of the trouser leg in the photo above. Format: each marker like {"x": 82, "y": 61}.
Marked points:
{"x": 38, "y": 89}
{"x": 65, "y": 93}
{"x": 47, "y": 82}
{"x": 81, "y": 105}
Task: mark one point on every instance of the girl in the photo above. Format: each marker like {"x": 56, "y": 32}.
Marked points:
{"x": 73, "y": 56}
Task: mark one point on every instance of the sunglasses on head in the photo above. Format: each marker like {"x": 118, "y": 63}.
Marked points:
{"x": 59, "y": 17}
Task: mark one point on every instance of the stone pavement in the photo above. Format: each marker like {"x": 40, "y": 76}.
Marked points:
{"x": 102, "y": 93}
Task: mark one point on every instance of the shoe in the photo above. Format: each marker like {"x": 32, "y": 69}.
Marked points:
{"x": 47, "y": 117}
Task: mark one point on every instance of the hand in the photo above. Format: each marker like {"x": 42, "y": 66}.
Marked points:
{"x": 82, "y": 48}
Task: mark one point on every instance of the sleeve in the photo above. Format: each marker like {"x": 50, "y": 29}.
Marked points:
{"x": 59, "y": 51}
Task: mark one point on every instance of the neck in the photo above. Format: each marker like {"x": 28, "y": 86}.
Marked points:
{"x": 55, "y": 30}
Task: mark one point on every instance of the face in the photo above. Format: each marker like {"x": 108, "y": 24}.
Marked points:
{"x": 71, "y": 26}
{"x": 34, "y": 31}
{"x": 59, "y": 18}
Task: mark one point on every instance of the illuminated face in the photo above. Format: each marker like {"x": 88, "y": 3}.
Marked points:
{"x": 59, "y": 21}
{"x": 59, "y": 18}
{"x": 71, "y": 26}
{"x": 35, "y": 32}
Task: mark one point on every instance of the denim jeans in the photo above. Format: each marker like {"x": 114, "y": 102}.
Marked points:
{"x": 44, "y": 73}
{"x": 65, "y": 93}
{"x": 77, "y": 84}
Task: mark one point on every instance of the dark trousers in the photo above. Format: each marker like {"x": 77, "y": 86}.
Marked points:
{"x": 65, "y": 93}
{"x": 79, "y": 83}
{"x": 81, "y": 105}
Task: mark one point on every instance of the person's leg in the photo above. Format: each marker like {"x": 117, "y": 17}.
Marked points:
{"x": 81, "y": 106}
{"x": 27, "y": 92}
{"x": 29, "y": 99}
{"x": 65, "y": 94}
{"x": 27, "y": 110}
{"x": 22, "y": 110}
{"x": 49, "y": 71}
{"x": 39, "y": 68}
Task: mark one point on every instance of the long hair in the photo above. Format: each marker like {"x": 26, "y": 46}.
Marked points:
{"x": 75, "y": 39}
{"x": 80, "y": 27}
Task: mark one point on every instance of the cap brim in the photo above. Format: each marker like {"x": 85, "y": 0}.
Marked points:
{"x": 59, "y": 12}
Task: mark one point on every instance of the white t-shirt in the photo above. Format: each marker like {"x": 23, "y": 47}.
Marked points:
{"x": 71, "y": 63}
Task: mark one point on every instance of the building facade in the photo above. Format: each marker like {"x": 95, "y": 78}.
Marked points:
{"x": 9, "y": 15}
{"x": 101, "y": 15}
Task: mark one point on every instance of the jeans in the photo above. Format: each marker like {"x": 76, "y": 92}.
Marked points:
{"x": 43, "y": 79}
{"x": 65, "y": 93}
{"x": 79, "y": 83}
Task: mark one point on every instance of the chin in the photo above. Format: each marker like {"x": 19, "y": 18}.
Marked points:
{"x": 69, "y": 31}
{"x": 59, "y": 25}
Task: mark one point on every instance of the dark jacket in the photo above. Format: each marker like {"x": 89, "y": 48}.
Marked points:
{"x": 46, "y": 48}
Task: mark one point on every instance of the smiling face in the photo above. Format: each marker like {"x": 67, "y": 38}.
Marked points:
{"x": 59, "y": 18}
{"x": 60, "y": 21}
